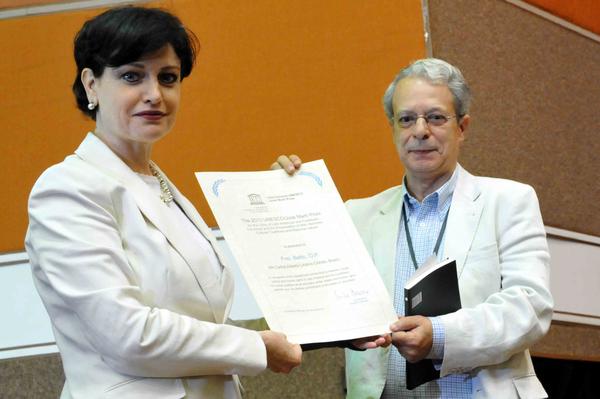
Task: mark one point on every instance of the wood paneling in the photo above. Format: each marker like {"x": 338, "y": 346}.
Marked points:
{"x": 536, "y": 96}
{"x": 583, "y": 13}
{"x": 534, "y": 119}
{"x": 38, "y": 377}
{"x": 569, "y": 341}
{"x": 320, "y": 376}
{"x": 27, "y": 3}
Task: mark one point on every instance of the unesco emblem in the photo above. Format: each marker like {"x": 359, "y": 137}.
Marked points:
{"x": 255, "y": 199}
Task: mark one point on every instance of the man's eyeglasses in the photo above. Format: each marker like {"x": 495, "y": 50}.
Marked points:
{"x": 432, "y": 119}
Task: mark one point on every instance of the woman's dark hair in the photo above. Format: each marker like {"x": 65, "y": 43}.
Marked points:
{"x": 125, "y": 34}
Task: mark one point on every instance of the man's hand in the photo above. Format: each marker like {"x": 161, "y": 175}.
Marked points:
{"x": 413, "y": 337}
{"x": 291, "y": 163}
{"x": 372, "y": 342}
{"x": 282, "y": 356}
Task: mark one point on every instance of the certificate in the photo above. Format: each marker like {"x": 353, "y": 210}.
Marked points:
{"x": 300, "y": 253}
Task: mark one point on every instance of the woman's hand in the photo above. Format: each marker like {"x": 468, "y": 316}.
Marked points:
{"x": 282, "y": 355}
{"x": 290, "y": 163}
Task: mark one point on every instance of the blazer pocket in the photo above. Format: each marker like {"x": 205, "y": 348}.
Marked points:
{"x": 480, "y": 276}
{"x": 529, "y": 387}
{"x": 143, "y": 388}
{"x": 486, "y": 253}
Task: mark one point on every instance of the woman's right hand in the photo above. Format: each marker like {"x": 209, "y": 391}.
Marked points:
{"x": 290, "y": 163}
{"x": 282, "y": 355}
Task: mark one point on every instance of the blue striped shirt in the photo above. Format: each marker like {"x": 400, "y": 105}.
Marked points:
{"x": 425, "y": 221}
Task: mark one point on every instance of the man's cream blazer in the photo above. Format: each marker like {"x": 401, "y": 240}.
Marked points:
{"x": 495, "y": 233}
{"x": 136, "y": 308}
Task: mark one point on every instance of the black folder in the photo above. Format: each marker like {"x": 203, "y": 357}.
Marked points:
{"x": 431, "y": 291}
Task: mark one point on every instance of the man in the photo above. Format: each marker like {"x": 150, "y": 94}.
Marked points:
{"x": 495, "y": 233}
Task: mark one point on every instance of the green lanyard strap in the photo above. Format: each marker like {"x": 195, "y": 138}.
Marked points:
{"x": 409, "y": 240}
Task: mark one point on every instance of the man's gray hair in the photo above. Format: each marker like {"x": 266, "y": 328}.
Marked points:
{"x": 435, "y": 71}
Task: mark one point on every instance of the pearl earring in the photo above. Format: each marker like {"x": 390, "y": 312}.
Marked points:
{"x": 91, "y": 106}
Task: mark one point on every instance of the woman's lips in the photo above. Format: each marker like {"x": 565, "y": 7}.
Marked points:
{"x": 150, "y": 115}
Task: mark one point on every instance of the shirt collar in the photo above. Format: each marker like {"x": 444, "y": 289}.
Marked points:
{"x": 442, "y": 195}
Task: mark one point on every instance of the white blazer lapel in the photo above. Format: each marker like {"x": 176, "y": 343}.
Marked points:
{"x": 94, "y": 151}
{"x": 226, "y": 283}
{"x": 463, "y": 220}
{"x": 384, "y": 239}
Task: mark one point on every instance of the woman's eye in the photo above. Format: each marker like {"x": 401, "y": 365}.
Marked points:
{"x": 168, "y": 78}
{"x": 130, "y": 77}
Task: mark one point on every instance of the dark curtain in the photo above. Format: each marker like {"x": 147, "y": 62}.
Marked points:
{"x": 568, "y": 379}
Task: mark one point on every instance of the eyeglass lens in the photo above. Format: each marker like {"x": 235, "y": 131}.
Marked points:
{"x": 433, "y": 119}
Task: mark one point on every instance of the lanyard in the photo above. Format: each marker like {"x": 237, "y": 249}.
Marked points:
{"x": 409, "y": 240}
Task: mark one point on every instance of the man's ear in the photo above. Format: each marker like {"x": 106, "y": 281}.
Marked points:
{"x": 463, "y": 124}
{"x": 89, "y": 84}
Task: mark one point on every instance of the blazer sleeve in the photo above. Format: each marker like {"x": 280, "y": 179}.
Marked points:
{"x": 519, "y": 312}
{"x": 91, "y": 293}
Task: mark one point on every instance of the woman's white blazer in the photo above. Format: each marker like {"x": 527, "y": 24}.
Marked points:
{"x": 136, "y": 308}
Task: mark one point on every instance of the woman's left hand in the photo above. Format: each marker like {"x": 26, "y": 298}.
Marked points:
{"x": 291, "y": 163}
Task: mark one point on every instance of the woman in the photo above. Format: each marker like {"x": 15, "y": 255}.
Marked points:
{"x": 128, "y": 271}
